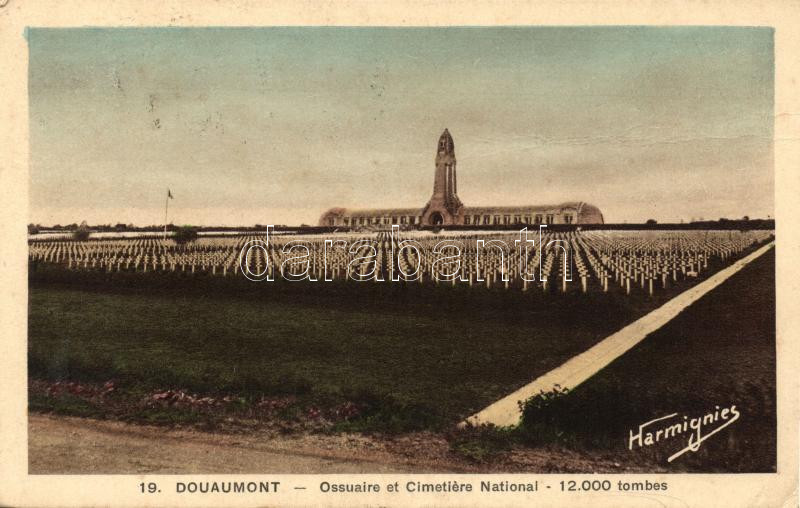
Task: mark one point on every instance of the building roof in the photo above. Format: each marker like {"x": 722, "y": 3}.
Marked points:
{"x": 578, "y": 206}
{"x": 480, "y": 210}
{"x": 373, "y": 212}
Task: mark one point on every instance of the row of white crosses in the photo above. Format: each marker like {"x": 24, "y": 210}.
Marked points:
{"x": 647, "y": 257}
{"x": 596, "y": 259}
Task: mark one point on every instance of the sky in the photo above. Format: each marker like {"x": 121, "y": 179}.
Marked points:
{"x": 276, "y": 125}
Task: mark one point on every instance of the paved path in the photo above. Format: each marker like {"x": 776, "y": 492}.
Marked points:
{"x": 506, "y": 411}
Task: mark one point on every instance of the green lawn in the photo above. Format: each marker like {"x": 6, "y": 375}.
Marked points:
{"x": 718, "y": 352}
{"x": 445, "y": 354}
{"x": 413, "y": 357}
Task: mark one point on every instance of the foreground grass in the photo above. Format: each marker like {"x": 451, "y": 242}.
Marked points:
{"x": 717, "y": 353}
{"x": 406, "y": 357}
{"x": 410, "y": 357}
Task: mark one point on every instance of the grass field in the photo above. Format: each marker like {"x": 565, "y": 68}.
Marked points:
{"x": 405, "y": 357}
{"x": 409, "y": 357}
{"x": 719, "y": 352}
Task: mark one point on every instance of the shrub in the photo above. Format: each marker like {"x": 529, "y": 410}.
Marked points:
{"x": 543, "y": 415}
{"x": 185, "y": 234}
{"x": 82, "y": 232}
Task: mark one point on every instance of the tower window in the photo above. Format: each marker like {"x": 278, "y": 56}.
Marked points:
{"x": 466, "y": 220}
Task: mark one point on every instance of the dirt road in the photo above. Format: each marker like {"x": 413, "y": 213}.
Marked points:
{"x": 83, "y": 446}
{"x": 68, "y": 445}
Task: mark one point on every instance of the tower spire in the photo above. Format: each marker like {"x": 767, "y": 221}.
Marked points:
{"x": 446, "y": 145}
{"x": 444, "y": 206}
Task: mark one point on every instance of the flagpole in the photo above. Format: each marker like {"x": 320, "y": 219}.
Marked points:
{"x": 166, "y": 210}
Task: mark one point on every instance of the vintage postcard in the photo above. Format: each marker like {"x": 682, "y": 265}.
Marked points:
{"x": 301, "y": 260}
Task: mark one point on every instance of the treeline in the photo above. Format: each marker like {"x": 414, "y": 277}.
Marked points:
{"x": 130, "y": 228}
{"x": 720, "y": 224}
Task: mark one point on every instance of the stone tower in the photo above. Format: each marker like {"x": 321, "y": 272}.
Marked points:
{"x": 444, "y": 207}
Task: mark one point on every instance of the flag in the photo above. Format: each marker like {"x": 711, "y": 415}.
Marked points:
{"x": 169, "y": 194}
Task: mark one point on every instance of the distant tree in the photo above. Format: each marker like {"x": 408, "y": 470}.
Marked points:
{"x": 120, "y": 226}
{"x": 651, "y": 221}
{"x": 33, "y": 229}
{"x": 82, "y": 232}
{"x": 746, "y": 217}
{"x": 185, "y": 234}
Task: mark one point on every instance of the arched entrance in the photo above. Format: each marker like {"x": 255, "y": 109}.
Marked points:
{"x": 436, "y": 219}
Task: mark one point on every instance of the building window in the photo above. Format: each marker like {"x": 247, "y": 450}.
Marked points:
{"x": 402, "y": 219}
{"x": 497, "y": 219}
{"x": 466, "y": 220}
{"x": 568, "y": 219}
{"x": 538, "y": 219}
{"x": 549, "y": 218}
{"x": 506, "y": 219}
{"x": 517, "y": 219}
{"x": 486, "y": 219}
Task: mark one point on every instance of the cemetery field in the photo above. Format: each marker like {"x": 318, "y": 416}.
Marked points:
{"x": 384, "y": 357}
{"x": 718, "y": 353}
{"x": 150, "y": 330}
